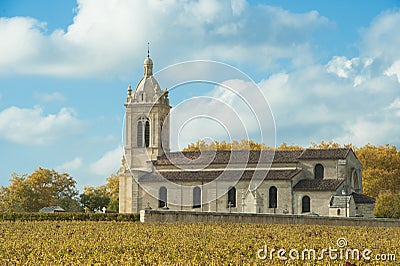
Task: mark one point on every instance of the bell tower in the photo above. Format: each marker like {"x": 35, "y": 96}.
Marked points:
{"x": 146, "y": 136}
{"x": 147, "y": 120}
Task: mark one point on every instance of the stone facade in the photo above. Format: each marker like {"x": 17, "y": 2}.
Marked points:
{"x": 309, "y": 181}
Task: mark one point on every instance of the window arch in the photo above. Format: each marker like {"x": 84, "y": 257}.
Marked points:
{"x": 273, "y": 197}
{"x": 305, "y": 204}
{"x": 139, "y": 134}
{"x": 143, "y": 132}
{"x": 319, "y": 171}
{"x": 162, "y": 197}
{"x": 147, "y": 134}
{"x": 338, "y": 212}
{"x": 356, "y": 182}
{"x": 231, "y": 197}
{"x": 196, "y": 197}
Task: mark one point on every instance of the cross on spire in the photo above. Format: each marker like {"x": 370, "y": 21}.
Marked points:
{"x": 148, "y": 50}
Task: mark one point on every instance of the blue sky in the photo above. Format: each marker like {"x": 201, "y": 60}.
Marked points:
{"x": 330, "y": 70}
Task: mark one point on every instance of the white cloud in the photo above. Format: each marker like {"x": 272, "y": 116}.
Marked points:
{"x": 72, "y": 165}
{"x": 108, "y": 163}
{"x": 238, "y": 6}
{"x": 340, "y": 66}
{"x": 395, "y": 104}
{"x": 394, "y": 70}
{"x": 363, "y": 131}
{"x": 381, "y": 39}
{"x": 50, "y": 97}
{"x": 236, "y": 109}
{"x": 32, "y": 127}
{"x": 205, "y": 28}
{"x": 20, "y": 39}
{"x": 356, "y": 69}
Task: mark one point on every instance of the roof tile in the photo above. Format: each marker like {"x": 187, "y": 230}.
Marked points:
{"x": 318, "y": 184}
{"x": 223, "y": 175}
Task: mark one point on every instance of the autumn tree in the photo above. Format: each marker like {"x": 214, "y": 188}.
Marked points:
{"x": 44, "y": 187}
{"x": 388, "y": 205}
{"x": 201, "y": 145}
{"x": 113, "y": 191}
{"x": 329, "y": 145}
{"x": 285, "y": 146}
{"x": 381, "y": 169}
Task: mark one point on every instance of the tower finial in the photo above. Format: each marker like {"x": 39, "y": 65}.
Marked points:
{"x": 148, "y": 50}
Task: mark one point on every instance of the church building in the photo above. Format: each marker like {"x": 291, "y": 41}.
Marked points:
{"x": 325, "y": 182}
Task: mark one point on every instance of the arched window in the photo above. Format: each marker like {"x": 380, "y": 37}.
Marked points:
{"x": 305, "y": 204}
{"x": 139, "y": 134}
{"x": 273, "y": 197}
{"x": 162, "y": 197}
{"x": 147, "y": 134}
{"x": 338, "y": 212}
{"x": 231, "y": 197}
{"x": 356, "y": 182}
{"x": 143, "y": 132}
{"x": 196, "y": 197}
{"x": 319, "y": 171}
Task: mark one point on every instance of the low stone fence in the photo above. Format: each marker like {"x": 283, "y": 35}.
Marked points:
{"x": 154, "y": 216}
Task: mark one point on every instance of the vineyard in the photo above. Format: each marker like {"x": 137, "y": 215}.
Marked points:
{"x": 132, "y": 243}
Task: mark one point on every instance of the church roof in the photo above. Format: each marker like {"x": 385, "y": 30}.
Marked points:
{"x": 362, "y": 199}
{"x": 218, "y": 157}
{"x": 208, "y": 176}
{"x": 319, "y": 184}
{"x": 280, "y": 156}
{"x": 150, "y": 87}
{"x": 339, "y": 201}
{"x": 337, "y": 153}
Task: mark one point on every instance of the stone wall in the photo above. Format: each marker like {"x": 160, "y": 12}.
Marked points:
{"x": 154, "y": 216}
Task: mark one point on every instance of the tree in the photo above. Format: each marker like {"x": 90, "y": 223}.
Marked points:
{"x": 387, "y": 205}
{"x": 113, "y": 191}
{"x": 329, "y": 145}
{"x": 201, "y": 145}
{"x": 95, "y": 198}
{"x": 381, "y": 169}
{"x": 44, "y": 187}
{"x": 284, "y": 146}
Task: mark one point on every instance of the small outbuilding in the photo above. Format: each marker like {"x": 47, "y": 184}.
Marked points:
{"x": 52, "y": 209}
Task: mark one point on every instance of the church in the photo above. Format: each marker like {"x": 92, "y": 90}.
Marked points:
{"x": 324, "y": 182}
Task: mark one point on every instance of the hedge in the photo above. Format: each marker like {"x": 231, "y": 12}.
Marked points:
{"x": 68, "y": 216}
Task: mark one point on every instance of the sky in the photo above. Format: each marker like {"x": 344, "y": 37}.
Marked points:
{"x": 329, "y": 70}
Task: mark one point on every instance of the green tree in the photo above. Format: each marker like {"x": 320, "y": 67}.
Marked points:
{"x": 95, "y": 198}
{"x": 44, "y": 187}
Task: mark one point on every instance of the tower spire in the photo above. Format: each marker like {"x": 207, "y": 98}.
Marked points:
{"x": 148, "y": 63}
